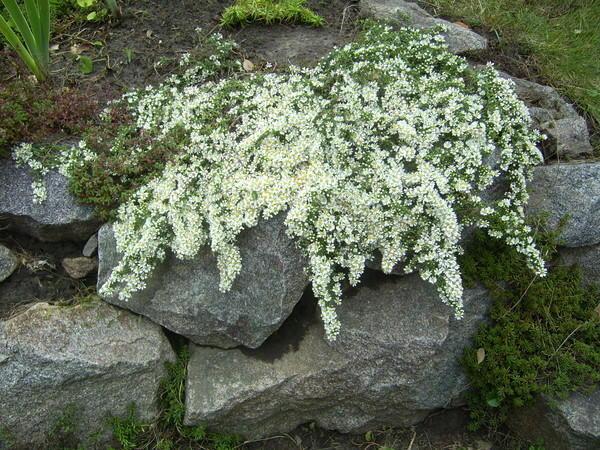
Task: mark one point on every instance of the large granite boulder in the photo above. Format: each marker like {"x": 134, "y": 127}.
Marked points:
{"x": 8, "y": 263}
{"x": 395, "y": 361}
{"x": 570, "y": 424}
{"x": 58, "y": 218}
{"x": 459, "y": 38}
{"x": 92, "y": 360}
{"x": 587, "y": 258}
{"x": 566, "y": 131}
{"x": 572, "y": 192}
{"x": 184, "y": 296}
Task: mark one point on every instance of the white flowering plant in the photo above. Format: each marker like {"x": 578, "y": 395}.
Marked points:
{"x": 390, "y": 145}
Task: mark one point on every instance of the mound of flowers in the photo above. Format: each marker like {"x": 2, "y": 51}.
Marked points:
{"x": 386, "y": 146}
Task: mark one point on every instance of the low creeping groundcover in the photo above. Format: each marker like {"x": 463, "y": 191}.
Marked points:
{"x": 388, "y": 145}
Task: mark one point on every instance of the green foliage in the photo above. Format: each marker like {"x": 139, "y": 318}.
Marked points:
{"x": 31, "y": 114}
{"x": 270, "y": 11}
{"x": 29, "y": 33}
{"x": 86, "y": 65}
{"x": 536, "y": 447}
{"x": 129, "y": 431}
{"x": 109, "y": 180}
{"x": 112, "y": 6}
{"x": 6, "y": 439}
{"x": 96, "y": 10}
{"x": 66, "y": 432}
{"x": 85, "y": 297}
{"x": 169, "y": 432}
{"x": 65, "y": 426}
{"x": 544, "y": 334}
{"x": 562, "y": 38}
{"x": 83, "y": 10}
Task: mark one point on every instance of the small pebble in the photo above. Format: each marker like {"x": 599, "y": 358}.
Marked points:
{"x": 90, "y": 246}
{"x": 8, "y": 263}
{"x": 79, "y": 267}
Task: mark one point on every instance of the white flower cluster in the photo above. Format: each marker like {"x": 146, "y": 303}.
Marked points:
{"x": 388, "y": 146}
{"x": 40, "y": 160}
{"x": 24, "y": 155}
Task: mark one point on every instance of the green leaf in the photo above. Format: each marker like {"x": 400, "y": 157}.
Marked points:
{"x": 128, "y": 54}
{"x": 85, "y": 3}
{"x": 32, "y": 41}
{"x": 113, "y": 7}
{"x": 91, "y": 16}
{"x": 23, "y": 27}
{"x": 86, "y": 65}
{"x": 493, "y": 402}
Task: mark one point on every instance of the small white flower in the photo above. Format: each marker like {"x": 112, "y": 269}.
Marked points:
{"x": 366, "y": 152}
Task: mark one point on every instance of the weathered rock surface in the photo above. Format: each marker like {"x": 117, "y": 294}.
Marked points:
{"x": 79, "y": 267}
{"x": 302, "y": 46}
{"x": 571, "y": 424}
{"x": 93, "y": 360}
{"x": 184, "y": 297}
{"x": 8, "y": 263}
{"x": 587, "y": 258}
{"x": 566, "y": 130}
{"x": 569, "y": 190}
{"x": 58, "y": 218}
{"x": 467, "y": 234}
{"x": 459, "y": 38}
{"x": 91, "y": 246}
{"x": 395, "y": 361}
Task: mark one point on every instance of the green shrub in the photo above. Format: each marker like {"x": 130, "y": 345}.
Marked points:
{"x": 84, "y": 10}
{"x": 29, "y": 113}
{"x": 270, "y": 11}
{"x": 391, "y": 136}
{"x": 543, "y": 336}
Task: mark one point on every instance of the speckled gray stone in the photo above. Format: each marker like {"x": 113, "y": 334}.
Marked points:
{"x": 57, "y": 218}
{"x": 587, "y": 258}
{"x": 570, "y": 424}
{"x": 569, "y": 190}
{"x": 395, "y": 361}
{"x": 8, "y": 263}
{"x": 458, "y": 38}
{"x": 79, "y": 267}
{"x": 92, "y": 360}
{"x": 184, "y": 296}
{"x": 567, "y": 132}
{"x": 91, "y": 246}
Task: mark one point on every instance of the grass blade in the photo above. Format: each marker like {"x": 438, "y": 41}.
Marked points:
{"x": 33, "y": 44}
{"x": 21, "y": 50}
{"x": 21, "y": 24}
{"x": 113, "y": 7}
{"x": 33, "y": 16}
{"x": 44, "y": 11}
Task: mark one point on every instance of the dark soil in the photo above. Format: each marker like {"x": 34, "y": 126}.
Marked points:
{"x": 142, "y": 47}
{"x": 443, "y": 430}
{"x": 40, "y": 276}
